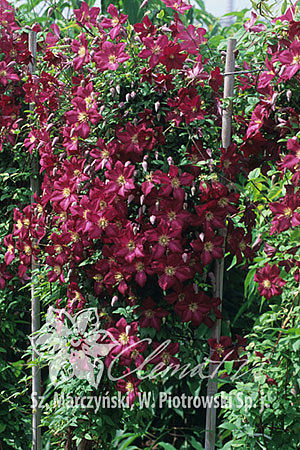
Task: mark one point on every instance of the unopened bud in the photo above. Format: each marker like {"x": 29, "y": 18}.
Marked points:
{"x": 114, "y": 300}
{"x": 49, "y": 12}
{"x": 289, "y": 95}
{"x": 152, "y": 220}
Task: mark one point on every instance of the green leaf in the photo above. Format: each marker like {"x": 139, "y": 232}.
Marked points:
{"x": 254, "y": 174}
{"x": 167, "y": 446}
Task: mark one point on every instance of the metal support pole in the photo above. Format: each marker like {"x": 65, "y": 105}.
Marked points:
{"x": 35, "y": 303}
{"x": 210, "y": 434}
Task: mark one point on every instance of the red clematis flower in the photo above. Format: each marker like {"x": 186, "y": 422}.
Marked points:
{"x": 87, "y": 16}
{"x": 129, "y": 385}
{"x": 124, "y": 335}
{"x": 114, "y": 23}
{"x": 64, "y": 193}
{"x": 81, "y": 48}
{"x": 172, "y": 57}
{"x": 211, "y": 215}
{"x": 210, "y": 247}
{"x": 110, "y": 56}
{"x": 154, "y": 49}
{"x": 172, "y": 212}
{"x": 191, "y": 38}
{"x": 151, "y": 315}
{"x": 249, "y": 25}
{"x": 270, "y": 283}
{"x": 164, "y": 239}
{"x": 57, "y": 263}
{"x": 285, "y": 212}
{"x": 121, "y": 179}
{"x": 10, "y": 252}
{"x": 145, "y": 28}
{"x": 172, "y": 271}
{"x": 173, "y": 182}
{"x": 81, "y": 116}
{"x": 4, "y": 275}
{"x": 222, "y": 350}
{"x": 128, "y": 245}
{"x": 7, "y": 73}
{"x": 164, "y": 355}
{"x": 177, "y": 5}
{"x": 191, "y": 108}
{"x": 75, "y": 298}
{"x": 216, "y": 79}
{"x": 237, "y": 243}
{"x": 53, "y": 37}
{"x": 292, "y": 160}
{"x": 195, "y": 309}
{"x": 291, "y": 60}
{"x": 230, "y": 161}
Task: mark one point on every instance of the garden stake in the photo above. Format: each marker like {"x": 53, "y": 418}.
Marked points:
{"x": 35, "y": 303}
{"x": 210, "y": 434}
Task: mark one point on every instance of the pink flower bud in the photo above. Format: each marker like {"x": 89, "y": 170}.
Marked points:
{"x": 114, "y": 300}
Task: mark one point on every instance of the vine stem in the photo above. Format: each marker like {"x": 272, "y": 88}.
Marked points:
{"x": 212, "y": 387}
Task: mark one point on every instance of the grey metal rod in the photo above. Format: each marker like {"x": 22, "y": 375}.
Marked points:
{"x": 35, "y": 302}
{"x": 212, "y": 387}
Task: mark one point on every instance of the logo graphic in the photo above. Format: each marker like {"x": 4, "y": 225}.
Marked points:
{"x": 73, "y": 346}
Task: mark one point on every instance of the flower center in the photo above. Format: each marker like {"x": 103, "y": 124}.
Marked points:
{"x": 102, "y": 222}
{"x": 129, "y": 387}
{"x": 27, "y": 250}
{"x": 139, "y": 267}
{"x": 163, "y": 240}
{"x": 181, "y": 297}
{"x": 119, "y": 276}
{"x": 288, "y": 212}
{"x": 242, "y": 245}
{"x": 10, "y": 248}
{"x": 170, "y": 271}
{"x": 98, "y": 277}
{"x": 83, "y": 117}
{"x": 266, "y": 284}
{"x": 112, "y": 59}
{"x": 57, "y": 270}
{"x": 131, "y": 245}
{"x": 124, "y": 338}
{"x": 172, "y": 215}
{"x": 208, "y": 246}
{"x": 296, "y": 59}
{"x": 166, "y": 358}
{"x": 121, "y": 180}
{"x": 82, "y": 51}
{"x": 3, "y": 73}
{"x": 102, "y": 204}
{"x": 193, "y": 307}
{"x": 149, "y": 313}
{"x": 76, "y": 173}
{"x": 175, "y": 182}
{"x": 219, "y": 349}
{"x": 66, "y": 192}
